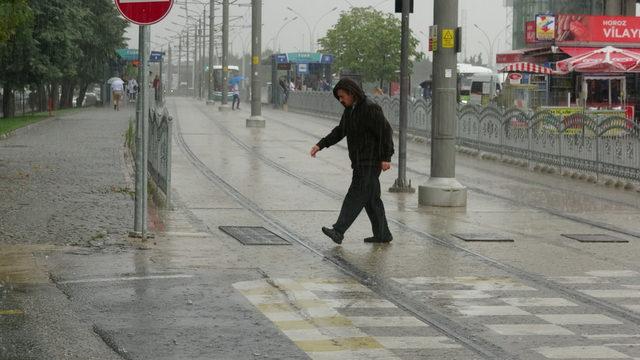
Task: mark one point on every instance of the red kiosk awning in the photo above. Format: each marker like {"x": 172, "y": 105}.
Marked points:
{"x": 602, "y": 60}
{"x": 527, "y": 67}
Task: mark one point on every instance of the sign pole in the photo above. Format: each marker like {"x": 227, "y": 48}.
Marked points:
{"x": 142, "y": 109}
{"x": 401, "y": 184}
{"x": 256, "y": 119}
{"x": 143, "y": 13}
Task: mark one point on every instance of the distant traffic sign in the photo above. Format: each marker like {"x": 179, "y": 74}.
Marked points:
{"x": 156, "y": 56}
{"x": 144, "y": 12}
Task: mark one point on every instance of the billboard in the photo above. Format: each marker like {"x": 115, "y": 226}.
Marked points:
{"x": 598, "y": 29}
{"x": 530, "y": 32}
{"x": 545, "y": 27}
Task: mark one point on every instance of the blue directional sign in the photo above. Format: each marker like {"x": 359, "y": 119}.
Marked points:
{"x": 303, "y": 68}
{"x": 326, "y": 59}
{"x": 281, "y": 59}
{"x": 156, "y": 56}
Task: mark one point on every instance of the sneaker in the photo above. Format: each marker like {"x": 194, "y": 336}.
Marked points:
{"x": 333, "y": 234}
{"x": 374, "y": 239}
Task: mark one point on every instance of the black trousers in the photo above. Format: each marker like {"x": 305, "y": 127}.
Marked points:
{"x": 236, "y": 97}
{"x": 364, "y": 192}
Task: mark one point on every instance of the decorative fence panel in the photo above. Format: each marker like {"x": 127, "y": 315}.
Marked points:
{"x": 159, "y": 155}
{"x": 607, "y": 146}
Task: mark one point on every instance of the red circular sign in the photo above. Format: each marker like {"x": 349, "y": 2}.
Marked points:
{"x": 515, "y": 76}
{"x": 144, "y": 12}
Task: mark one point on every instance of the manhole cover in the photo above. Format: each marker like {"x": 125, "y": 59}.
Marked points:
{"x": 595, "y": 238}
{"x": 487, "y": 237}
{"x": 253, "y": 235}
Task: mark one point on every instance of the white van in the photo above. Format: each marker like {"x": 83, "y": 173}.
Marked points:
{"x": 484, "y": 87}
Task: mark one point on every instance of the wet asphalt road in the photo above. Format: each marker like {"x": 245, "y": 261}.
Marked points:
{"x": 193, "y": 292}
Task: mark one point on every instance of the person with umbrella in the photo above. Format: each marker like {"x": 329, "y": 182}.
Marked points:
{"x": 235, "y": 90}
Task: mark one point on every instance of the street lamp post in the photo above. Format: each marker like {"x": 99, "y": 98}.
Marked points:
{"x": 276, "y": 44}
{"x": 317, "y": 22}
{"x": 308, "y": 27}
{"x": 491, "y": 43}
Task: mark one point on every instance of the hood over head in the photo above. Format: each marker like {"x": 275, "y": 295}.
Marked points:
{"x": 351, "y": 87}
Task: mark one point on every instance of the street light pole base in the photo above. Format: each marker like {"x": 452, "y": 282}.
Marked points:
{"x": 256, "y": 122}
{"x": 141, "y": 235}
{"x": 224, "y": 108}
{"x": 445, "y": 192}
{"x": 401, "y": 186}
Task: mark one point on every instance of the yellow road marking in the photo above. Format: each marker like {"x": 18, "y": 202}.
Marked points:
{"x": 11, "y": 312}
{"x": 324, "y": 322}
{"x": 356, "y": 343}
{"x": 279, "y": 307}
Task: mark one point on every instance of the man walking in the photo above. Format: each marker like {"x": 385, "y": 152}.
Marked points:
{"x": 370, "y": 144}
{"x": 117, "y": 88}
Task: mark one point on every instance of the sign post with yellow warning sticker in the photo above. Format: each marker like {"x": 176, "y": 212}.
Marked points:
{"x": 448, "y": 38}
{"x": 442, "y": 188}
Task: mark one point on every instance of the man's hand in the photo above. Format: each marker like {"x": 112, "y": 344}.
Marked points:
{"x": 386, "y": 165}
{"x": 314, "y": 150}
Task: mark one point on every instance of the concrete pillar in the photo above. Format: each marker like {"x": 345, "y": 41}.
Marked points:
{"x": 442, "y": 188}
{"x": 256, "y": 119}
{"x": 210, "y": 100}
{"x": 225, "y": 56}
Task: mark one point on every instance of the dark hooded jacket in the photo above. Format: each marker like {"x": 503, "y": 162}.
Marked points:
{"x": 369, "y": 135}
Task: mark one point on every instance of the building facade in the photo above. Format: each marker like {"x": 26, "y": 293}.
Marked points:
{"x": 526, "y": 10}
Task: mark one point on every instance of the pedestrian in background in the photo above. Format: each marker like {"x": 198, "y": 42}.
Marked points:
{"x": 117, "y": 89}
{"x": 235, "y": 90}
{"x": 285, "y": 90}
{"x": 132, "y": 87}
{"x": 156, "y": 88}
{"x": 370, "y": 144}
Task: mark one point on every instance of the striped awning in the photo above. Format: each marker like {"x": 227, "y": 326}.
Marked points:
{"x": 527, "y": 67}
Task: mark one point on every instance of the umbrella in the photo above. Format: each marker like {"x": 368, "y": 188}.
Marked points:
{"x": 236, "y": 79}
{"x": 606, "y": 60}
{"x": 527, "y": 67}
{"x": 113, "y": 79}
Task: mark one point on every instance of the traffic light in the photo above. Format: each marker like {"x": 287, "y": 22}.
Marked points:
{"x": 399, "y": 6}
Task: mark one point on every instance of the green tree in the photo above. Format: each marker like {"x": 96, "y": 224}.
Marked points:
{"x": 13, "y": 14}
{"x": 367, "y": 41}
{"x": 103, "y": 32}
{"x": 17, "y": 51}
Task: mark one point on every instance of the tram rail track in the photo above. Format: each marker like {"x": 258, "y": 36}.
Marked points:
{"x": 384, "y": 287}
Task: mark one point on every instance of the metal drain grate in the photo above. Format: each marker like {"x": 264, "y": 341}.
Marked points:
{"x": 486, "y": 237}
{"x": 595, "y": 238}
{"x": 253, "y": 235}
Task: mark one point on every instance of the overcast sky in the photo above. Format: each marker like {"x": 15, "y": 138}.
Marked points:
{"x": 489, "y": 15}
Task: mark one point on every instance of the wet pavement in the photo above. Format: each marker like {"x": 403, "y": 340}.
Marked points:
{"x": 194, "y": 292}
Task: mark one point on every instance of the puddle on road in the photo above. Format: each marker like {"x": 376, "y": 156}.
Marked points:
{"x": 18, "y": 265}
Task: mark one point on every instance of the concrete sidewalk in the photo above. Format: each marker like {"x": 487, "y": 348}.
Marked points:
{"x": 64, "y": 181}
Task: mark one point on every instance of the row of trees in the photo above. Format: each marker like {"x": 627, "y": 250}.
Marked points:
{"x": 55, "y": 47}
{"x": 367, "y": 41}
